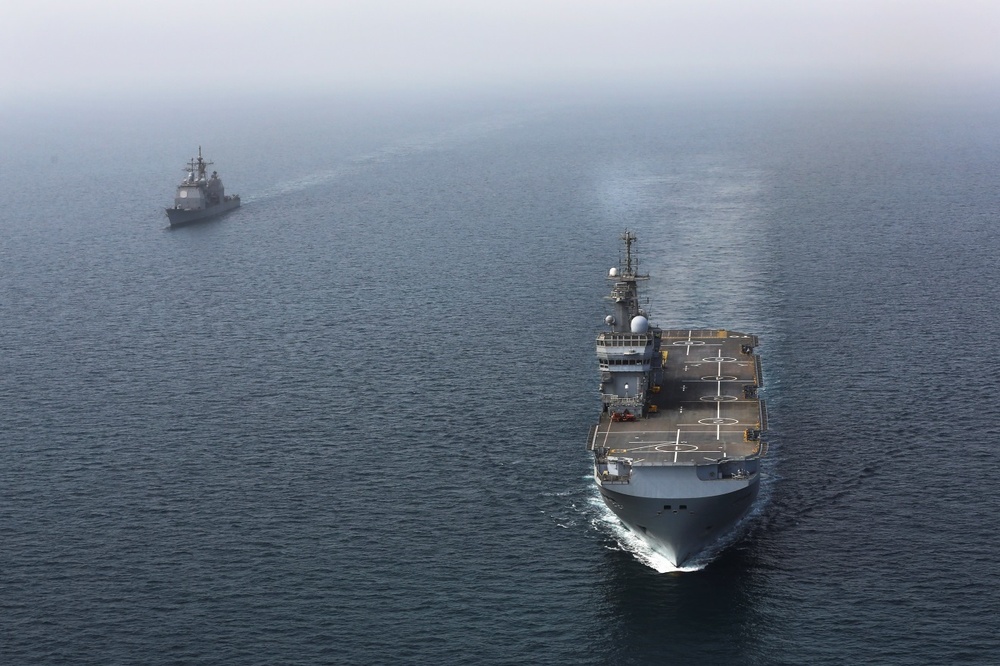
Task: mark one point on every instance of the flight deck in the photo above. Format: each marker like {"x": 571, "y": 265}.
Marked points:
{"x": 704, "y": 408}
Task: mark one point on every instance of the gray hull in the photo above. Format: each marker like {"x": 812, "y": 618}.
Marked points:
{"x": 678, "y": 528}
{"x": 179, "y": 216}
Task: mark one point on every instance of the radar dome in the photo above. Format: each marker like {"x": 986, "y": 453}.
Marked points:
{"x": 639, "y": 324}
{"x": 609, "y": 320}
{"x": 613, "y": 272}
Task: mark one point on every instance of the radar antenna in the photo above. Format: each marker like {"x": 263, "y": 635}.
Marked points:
{"x": 631, "y": 265}
{"x": 198, "y": 165}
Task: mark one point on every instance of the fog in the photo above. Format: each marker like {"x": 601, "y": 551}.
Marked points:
{"x": 225, "y": 46}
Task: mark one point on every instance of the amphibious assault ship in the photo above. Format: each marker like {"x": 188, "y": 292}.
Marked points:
{"x": 200, "y": 197}
{"x": 678, "y": 446}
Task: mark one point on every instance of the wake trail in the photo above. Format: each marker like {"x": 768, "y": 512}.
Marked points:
{"x": 413, "y": 145}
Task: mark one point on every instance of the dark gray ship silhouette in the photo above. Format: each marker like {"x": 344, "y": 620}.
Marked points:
{"x": 678, "y": 444}
{"x": 200, "y": 196}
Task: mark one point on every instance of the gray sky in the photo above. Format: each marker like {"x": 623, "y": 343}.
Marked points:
{"x": 186, "y": 45}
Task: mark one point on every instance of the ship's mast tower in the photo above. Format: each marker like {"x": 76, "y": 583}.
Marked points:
{"x": 198, "y": 166}
{"x": 629, "y": 238}
{"x": 626, "y": 351}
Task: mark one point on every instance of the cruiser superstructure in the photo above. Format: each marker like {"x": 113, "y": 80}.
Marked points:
{"x": 677, "y": 449}
{"x": 200, "y": 196}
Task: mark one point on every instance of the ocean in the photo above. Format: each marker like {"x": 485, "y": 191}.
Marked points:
{"x": 346, "y": 423}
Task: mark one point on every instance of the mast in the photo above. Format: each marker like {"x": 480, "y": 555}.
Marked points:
{"x": 629, "y": 238}
{"x": 198, "y": 166}
{"x": 625, "y": 352}
{"x": 625, "y": 293}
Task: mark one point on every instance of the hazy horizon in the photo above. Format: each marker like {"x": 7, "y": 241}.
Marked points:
{"x": 178, "y": 48}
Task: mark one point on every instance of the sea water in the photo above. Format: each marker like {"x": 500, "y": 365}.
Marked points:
{"x": 346, "y": 423}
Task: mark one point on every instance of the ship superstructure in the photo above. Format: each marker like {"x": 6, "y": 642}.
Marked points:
{"x": 200, "y": 196}
{"x": 678, "y": 445}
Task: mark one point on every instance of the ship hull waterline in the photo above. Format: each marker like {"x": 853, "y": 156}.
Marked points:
{"x": 179, "y": 217}
{"x": 680, "y": 528}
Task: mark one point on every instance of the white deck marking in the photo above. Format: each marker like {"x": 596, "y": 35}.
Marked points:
{"x": 718, "y": 385}
{"x": 727, "y": 423}
{"x": 687, "y": 344}
{"x": 653, "y": 446}
{"x": 718, "y": 413}
{"x": 607, "y": 433}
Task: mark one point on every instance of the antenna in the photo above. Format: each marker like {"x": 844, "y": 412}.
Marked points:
{"x": 629, "y": 238}
{"x": 198, "y": 166}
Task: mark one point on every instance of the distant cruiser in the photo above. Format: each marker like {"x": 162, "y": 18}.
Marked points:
{"x": 199, "y": 197}
{"x": 678, "y": 445}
